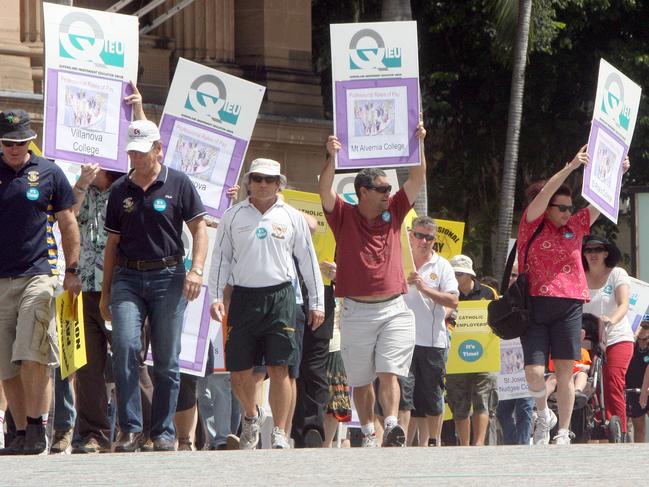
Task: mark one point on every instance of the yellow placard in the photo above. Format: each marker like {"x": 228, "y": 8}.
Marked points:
{"x": 450, "y": 234}
{"x": 34, "y": 148}
{"x": 323, "y": 238}
{"x": 406, "y": 251}
{"x": 72, "y": 339}
{"x": 474, "y": 348}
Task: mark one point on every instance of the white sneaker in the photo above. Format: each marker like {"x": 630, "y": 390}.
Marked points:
{"x": 563, "y": 437}
{"x": 369, "y": 441}
{"x": 250, "y": 429}
{"x": 278, "y": 440}
{"x": 542, "y": 429}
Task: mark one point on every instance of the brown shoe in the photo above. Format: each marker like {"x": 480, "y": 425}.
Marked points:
{"x": 61, "y": 442}
{"x": 165, "y": 444}
{"x": 128, "y": 442}
{"x": 232, "y": 442}
{"x": 91, "y": 445}
{"x": 16, "y": 447}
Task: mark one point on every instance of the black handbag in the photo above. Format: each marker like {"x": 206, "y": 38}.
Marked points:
{"x": 509, "y": 316}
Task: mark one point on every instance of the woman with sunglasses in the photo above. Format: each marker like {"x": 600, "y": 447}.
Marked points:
{"x": 609, "y": 300}
{"x": 557, "y": 289}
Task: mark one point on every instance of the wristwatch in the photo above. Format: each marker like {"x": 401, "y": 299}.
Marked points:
{"x": 75, "y": 271}
{"x": 197, "y": 270}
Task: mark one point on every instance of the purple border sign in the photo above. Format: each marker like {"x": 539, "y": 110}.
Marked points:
{"x": 412, "y": 93}
{"x": 51, "y": 114}
{"x": 215, "y": 209}
{"x": 604, "y": 206}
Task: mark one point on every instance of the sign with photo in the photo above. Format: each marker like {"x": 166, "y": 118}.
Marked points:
{"x": 206, "y": 126}
{"x": 91, "y": 57}
{"x": 375, "y": 70}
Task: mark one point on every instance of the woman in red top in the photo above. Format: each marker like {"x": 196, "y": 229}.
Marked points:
{"x": 557, "y": 288}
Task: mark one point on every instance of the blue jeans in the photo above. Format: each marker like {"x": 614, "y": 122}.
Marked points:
{"x": 65, "y": 415}
{"x": 515, "y": 417}
{"x": 218, "y": 408}
{"x": 156, "y": 295}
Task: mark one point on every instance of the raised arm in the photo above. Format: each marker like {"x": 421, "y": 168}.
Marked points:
{"x": 325, "y": 185}
{"x": 88, "y": 174}
{"x": 135, "y": 100}
{"x": 540, "y": 203}
{"x": 417, "y": 176}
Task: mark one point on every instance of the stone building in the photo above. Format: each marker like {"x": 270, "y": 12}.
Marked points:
{"x": 264, "y": 41}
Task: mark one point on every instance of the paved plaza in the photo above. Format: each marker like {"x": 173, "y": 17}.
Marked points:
{"x": 504, "y": 465}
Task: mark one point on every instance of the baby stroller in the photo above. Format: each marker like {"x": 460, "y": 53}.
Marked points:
{"x": 590, "y": 421}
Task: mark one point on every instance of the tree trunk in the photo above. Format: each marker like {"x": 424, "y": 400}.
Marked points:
{"x": 508, "y": 185}
{"x": 394, "y": 10}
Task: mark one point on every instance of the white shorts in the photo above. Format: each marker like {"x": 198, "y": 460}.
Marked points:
{"x": 376, "y": 338}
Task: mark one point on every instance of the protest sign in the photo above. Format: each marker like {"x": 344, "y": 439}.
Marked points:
{"x": 511, "y": 378}
{"x": 206, "y": 126}
{"x": 638, "y": 301}
{"x": 614, "y": 117}
{"x": 474, "y": 348}
{"x": 375, "y": 71}
{"x": 71, "y": 332}
{"x": 323, "y": 238}
{"x": 194, "y": 341}
{"x": 90, "y": 58}
{"x": 450, "y": 235}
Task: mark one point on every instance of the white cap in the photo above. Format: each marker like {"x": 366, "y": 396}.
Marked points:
{"x": 267, "y": 167}
{"x": 462, "y": 263}
{"x": 141, "y": 136}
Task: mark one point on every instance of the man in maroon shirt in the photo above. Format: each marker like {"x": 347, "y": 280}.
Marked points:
{"x": 377, "y": 328}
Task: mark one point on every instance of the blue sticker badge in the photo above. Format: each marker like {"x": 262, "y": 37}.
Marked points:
{"x": 32, "y": 194}
{"x": 645, "y": 358}
{"x": 386, "y": 217}
{"x": 159, "y": 204}
{"x": 470, "y": 350}
{"x": 568, "y": 235}
{"x": 261, "y": 233}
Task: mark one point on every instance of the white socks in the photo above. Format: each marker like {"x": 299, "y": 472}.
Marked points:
{"x": 390, "y": 422}
{"x": 367, "y": 429}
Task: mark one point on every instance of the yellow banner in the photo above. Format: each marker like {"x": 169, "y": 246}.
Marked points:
{"x": 450, "y": 234}
{"x": 323, "y": 238}
{"x": 406, "y": 251}
{"x": 474, "y": 348}
{"x": 72, "y": 338}
{"x": 34, "y": 148}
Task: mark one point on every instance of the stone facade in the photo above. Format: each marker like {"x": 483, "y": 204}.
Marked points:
{"x": 265, "y": 41}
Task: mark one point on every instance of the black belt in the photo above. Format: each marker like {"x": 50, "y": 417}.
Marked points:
{"x": 149, "y": 265}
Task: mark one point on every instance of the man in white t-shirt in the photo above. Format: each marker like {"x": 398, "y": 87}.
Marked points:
{"x": 432, "y": 288}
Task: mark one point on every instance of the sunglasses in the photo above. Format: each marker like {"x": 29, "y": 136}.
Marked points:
{"x": 564, "y": 208}
{"x": 643, "y": 339}
{"x": 9, "y": 143}
{"x": 380, "y": 189}
{"x": 257, "y": 178}
{"x": 594, "y": 250}
{"x": 419, "y": 236}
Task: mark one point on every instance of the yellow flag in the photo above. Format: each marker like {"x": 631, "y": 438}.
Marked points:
{"x": 323, "y": 238}
{"x": 448, "y": 242}
{"x": 34, "y": 148}
{"x": 72, "y": 339}
{"x": 406, "y": 251}
{"x": 474, "y": 348}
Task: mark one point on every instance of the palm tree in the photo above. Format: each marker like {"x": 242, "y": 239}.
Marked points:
{"x": 508, "y": 183}
{"x": 393, "y": 10}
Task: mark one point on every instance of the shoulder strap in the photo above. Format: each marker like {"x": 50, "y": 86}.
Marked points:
{"x": 504, "y": 284}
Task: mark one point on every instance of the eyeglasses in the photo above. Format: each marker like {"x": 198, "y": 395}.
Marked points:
{"x": 594, "y": 250}
{"x": 258, "y": 178}
{"x": 458, "y": 274}
{"x": 564, "y": 208}
{"x": 419, "y": 236}
{"x": 10, "y": 143}
{"x": 380, "y": 189}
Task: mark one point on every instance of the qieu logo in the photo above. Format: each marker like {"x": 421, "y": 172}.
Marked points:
{"x": 207, "y": 96}
{"x": 81, "y": 38}
{"x": 367, "y": 50}
{"x": 613, "y": 102}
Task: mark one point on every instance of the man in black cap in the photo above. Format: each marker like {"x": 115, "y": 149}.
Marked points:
{"x": 34, "y": 194}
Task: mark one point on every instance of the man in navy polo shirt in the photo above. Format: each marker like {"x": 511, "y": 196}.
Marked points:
{"x": 144, "y": 277}
{"x": 34, "y": 193}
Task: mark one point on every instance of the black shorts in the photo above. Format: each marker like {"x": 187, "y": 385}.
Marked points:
{"x": 428, "y": 368}
{"x": 633, "y": 408}
{"x": 186, "y": 392}
{"x": 555, "y": 329}
{"x": 261, "y": 327}
{"x": 406, "y": 391}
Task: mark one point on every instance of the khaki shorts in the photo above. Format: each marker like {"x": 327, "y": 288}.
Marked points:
{"x": 27, "y": 324}
{"x": 376, "y": 338}
{"x": 477, "y": 390}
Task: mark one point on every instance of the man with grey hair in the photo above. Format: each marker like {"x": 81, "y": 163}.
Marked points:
{"x": 377, "y": 328}
{"x": 256, "y": 242}
{"x": 432, "y": 289}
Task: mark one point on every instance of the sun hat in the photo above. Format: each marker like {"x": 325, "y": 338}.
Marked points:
{"x": 462, "y": 263}
{"x": 268, "y": 167}
{"x": 15, "y": 126}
